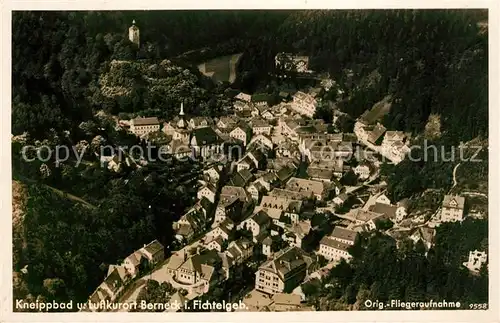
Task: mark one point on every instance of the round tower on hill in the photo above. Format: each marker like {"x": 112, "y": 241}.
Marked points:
{"x": 133, "y": 34}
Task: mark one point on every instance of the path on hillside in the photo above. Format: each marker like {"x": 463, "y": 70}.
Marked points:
{"x": 455, "y": 175}
{"x": 58, "y": 191}
{"x": 475, "y": 194}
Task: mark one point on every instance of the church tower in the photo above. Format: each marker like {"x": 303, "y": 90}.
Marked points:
{"x": 182, "y": 122}
{"x": 133, "y": 34}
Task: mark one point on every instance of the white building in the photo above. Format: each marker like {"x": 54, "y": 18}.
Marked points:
{"x": 283, "y": 273}
{"x": 304, "y": 104}
{"x": 333, "y": 250}
{"x": 242, "y": 132}
{"x": 453, "y": 208}
{"x": 383, "y": 199}
{"x": 344, "y": 235}
{"x": 362, "y": 170}
{"x": 243, "y": 97}
{"x": 257, "y": 223}
{"x": 143, "y": 126}
{"x": 476, "y": 260}
{"x": 207, "y": 191}
{"x": 261, "y": 126}
{"x": 291, "y": 62}
{"x": 394, "y": 146}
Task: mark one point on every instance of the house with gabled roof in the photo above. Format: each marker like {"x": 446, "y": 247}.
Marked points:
{"x": 228, "y": 207}
{"x": 283, "y": 273}
{"x": 344, "y": 235}
{"x": 206, "y": 142}
{"x": 276, "y": 206}
{"x": 241, "y": 106}
{"x": 476, "y": 260}
{"x": 365, "y": 217}
{"x": 245, "y": 163}
{"x": 308, "y": 188}
{"x": 305, "y": 104}
{"x": 237, "y": 191}
{"x": 240, "y": 250}
{"x": 452, "y": 208}
{"x": 402, "y": 209}
{"x": 227, "y": 122}
{"x": 294, "y": 195}
{"x": 193, "y": 221}
{"x": 395, "y": 145}
{"x": 175, "y": 261}
{"x": 216, "y": 244}
{"x": 154, "y": 252}
{"x": 289, "y": 127}
{"x": 319, "y": 174}
{"x": 287, "y": 148}
{"x": 363, "y": 170}
{"x": 208, "y": 191}
{"x": 261, "y": 99}
{"x": 200, "y": 122}
{"x": 388, "y": 210}
{"x": 198, "y": 272}
{"x": 223, "y": 230}
{"x": 256, "y": 190}
{"x": 261, "y": 126}
{"x": 254, "y": 159}
{"x": 113, "y": 284}
{"x": 141, "y": 126}
{"x": 132, "y": 263}
{"x": 383, "y": 199}
{"x": 335, "y": 165}
{"x": 275, "y": 164}
{"x": 340, "y": 199}
{"x": 256, "y": 223}
{"x": 375, "y": 133}
{"x": 151, "y": 253}
{"x": 267, "y": 114}
{"x": 424, "y": 234}
{"x": 285, "y": 173}
{"x": 213, "y": 174}
{"x": 243, "y": 97}
{"x": 296, "y": 232}
{"x": 242, "y": 132}
{"x": 178, "y": 149}
{"x": 334, "y": 250}
{"x": 261, "y": 141}
{"x": 241, "y": 178}
{"x": 269, "y": 180}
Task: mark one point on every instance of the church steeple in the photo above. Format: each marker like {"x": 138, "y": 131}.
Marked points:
{"x": 181, "y": 123}
{"x": 181, "y": 113}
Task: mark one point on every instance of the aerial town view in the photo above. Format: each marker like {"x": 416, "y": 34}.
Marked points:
{"x": 226, "y": 161}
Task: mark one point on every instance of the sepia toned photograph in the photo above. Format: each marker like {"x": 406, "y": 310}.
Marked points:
{"x": 250, "y": 160}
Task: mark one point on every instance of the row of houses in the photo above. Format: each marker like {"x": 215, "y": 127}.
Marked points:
{"x": 118, "y": 276}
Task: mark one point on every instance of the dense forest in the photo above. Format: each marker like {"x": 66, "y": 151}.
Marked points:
{"x": 380, "y": 271}
{"x": 430, "y": 61}
{"x": 80, "y": 218}
{"x": 74, "y": 243}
